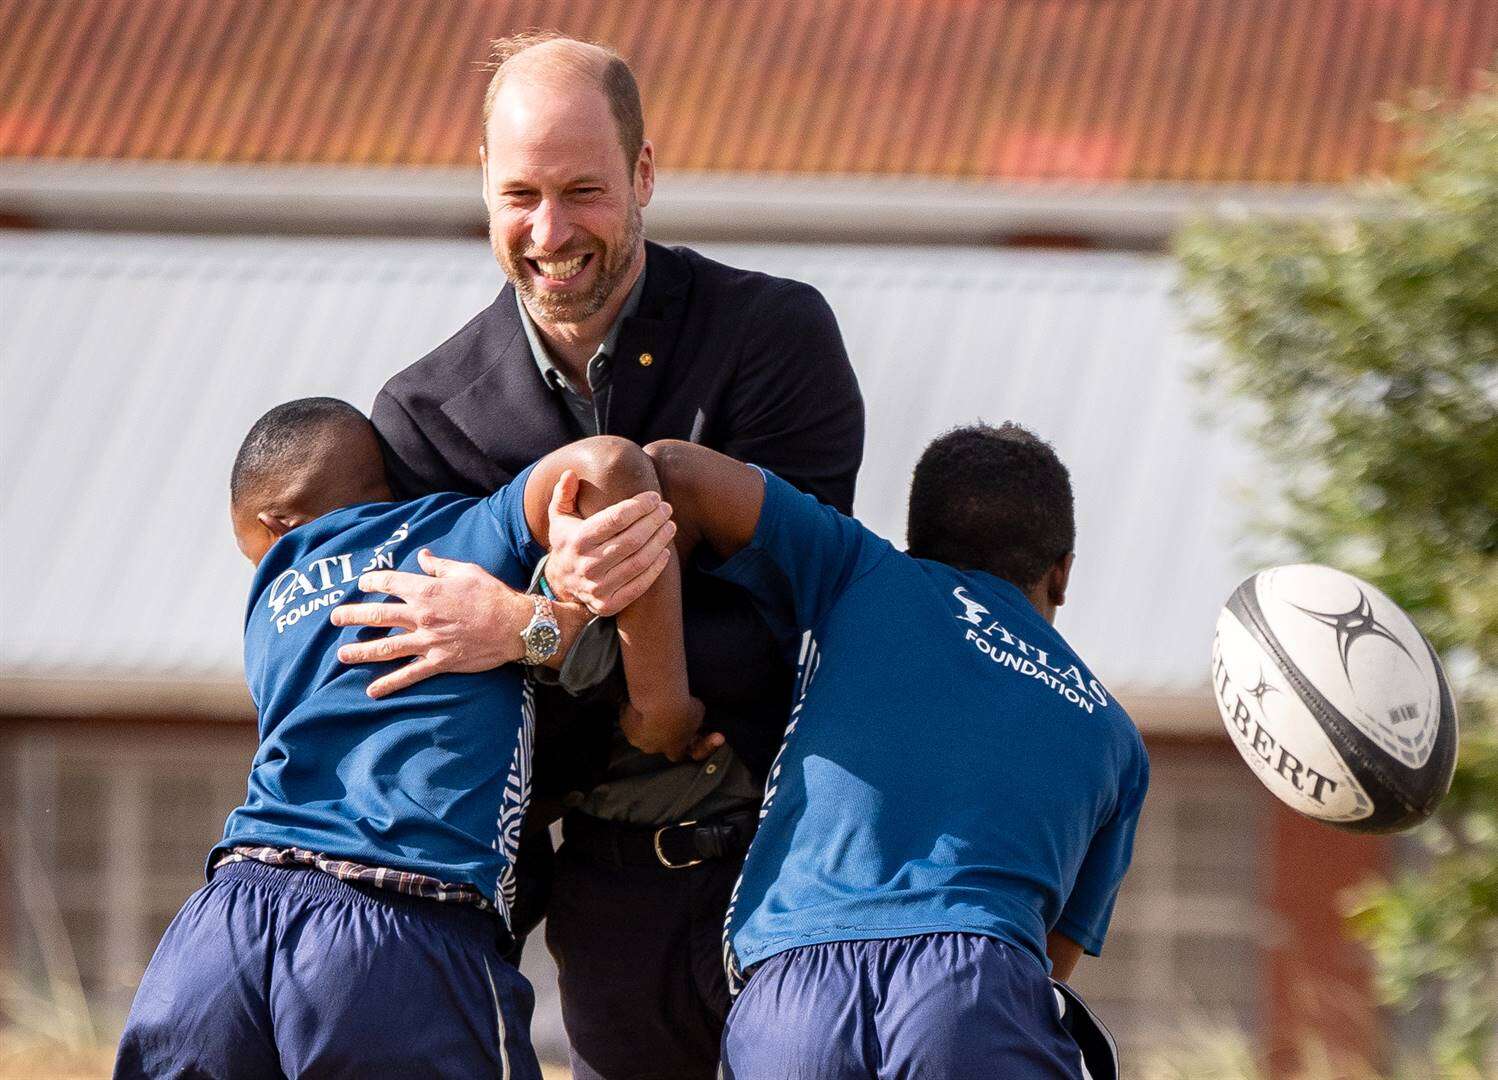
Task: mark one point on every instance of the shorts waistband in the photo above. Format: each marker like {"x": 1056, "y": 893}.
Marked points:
{"x": 310, "y": 881}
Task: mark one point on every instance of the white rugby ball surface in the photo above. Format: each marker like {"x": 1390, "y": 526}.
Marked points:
{"x": 1334, "y": 698}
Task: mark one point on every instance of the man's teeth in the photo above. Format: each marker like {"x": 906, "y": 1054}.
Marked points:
{"x": 561, "y": 271}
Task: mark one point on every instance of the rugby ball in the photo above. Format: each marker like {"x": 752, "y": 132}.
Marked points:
{"x": 1334, "y": 698}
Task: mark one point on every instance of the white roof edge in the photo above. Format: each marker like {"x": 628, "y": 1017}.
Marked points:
{"x": 1160, "y": 713}
{"x": 149, "y": 195}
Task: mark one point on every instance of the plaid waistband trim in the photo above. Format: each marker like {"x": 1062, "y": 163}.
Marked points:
{"x": 405, "y": 882}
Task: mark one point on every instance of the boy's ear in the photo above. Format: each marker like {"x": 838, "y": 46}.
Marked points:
{"x": 1058, "y": 578}
{"x": 278, "y": 525}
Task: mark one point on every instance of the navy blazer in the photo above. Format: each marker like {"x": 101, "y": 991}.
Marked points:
{"x": 746, "y": 363}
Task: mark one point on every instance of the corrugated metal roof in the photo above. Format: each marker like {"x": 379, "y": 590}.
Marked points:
{"x": 133, "y": 365}
{"x": 1194, "y": 91}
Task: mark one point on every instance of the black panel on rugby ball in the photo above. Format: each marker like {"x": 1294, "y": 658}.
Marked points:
{"x": 1402, "y": 797}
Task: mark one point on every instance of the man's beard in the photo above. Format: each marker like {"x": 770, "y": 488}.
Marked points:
{"x": 563, "y": 308}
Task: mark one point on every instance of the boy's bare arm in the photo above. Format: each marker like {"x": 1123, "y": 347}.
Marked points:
{"x": 1064, "y": 954}
{"x": 597, "y": 474}
{"x": 714, "y": 499}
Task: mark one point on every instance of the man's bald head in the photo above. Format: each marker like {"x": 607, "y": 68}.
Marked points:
{"x": 550, "y": 59}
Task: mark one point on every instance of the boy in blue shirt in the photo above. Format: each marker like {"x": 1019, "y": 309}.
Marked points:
{"x": 954, "y": 804}
{"x": 355, "y": 914}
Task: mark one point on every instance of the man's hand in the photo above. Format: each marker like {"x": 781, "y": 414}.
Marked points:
{"x": 607, "y": 561}
{"x": 678, "y": 736}
{"x": 461, "y": 618}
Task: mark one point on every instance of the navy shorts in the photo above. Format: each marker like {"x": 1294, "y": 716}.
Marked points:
{"x": 955, "y": 1006}
{"x": 271, "y": 972}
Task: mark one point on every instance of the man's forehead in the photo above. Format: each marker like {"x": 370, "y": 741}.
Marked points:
{"x": 537, "y": 118}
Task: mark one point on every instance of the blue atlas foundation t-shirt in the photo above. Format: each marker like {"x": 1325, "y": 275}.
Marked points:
{"x": 434, "y": 778}
{"x": 950, "y": 765}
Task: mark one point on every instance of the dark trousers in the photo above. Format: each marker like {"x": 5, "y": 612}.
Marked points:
{"x": 639, "y": 952}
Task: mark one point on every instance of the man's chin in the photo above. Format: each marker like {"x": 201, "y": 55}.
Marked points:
{"x": 561, "y": 309}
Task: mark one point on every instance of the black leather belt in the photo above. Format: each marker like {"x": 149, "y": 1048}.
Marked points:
{"x": 674, "y": 847}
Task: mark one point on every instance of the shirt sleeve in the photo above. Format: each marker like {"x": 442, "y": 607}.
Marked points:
{"x": 508, "y": 507}
{"x": 803, "y": 555}
{"x": 795, "y": 407}
{"x": 1088, "y": 910}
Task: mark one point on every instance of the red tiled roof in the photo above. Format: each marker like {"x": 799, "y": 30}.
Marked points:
{"x": 1191, "y": 91}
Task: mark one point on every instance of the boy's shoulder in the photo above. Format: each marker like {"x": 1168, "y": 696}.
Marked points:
{"x": 996, "y": 617}
{"x": 355, "y": 526}
{"x": 328, "y": 555}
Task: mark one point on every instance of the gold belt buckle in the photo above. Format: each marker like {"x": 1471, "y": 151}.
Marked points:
{"x": 661, "y": 855}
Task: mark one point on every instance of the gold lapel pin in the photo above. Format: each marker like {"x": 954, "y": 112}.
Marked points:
{"x": 646, "y": 359}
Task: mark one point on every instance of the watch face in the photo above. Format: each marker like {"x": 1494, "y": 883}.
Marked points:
{"x": 543, "y": 640}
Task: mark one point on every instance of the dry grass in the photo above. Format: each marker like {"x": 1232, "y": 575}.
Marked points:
{"x": 1200, "y": 1050}
{"x": 26, "y": 1058}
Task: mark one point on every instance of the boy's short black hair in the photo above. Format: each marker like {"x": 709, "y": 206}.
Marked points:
{"x": 286, "y": 437}
{"x": 992, "y": 498}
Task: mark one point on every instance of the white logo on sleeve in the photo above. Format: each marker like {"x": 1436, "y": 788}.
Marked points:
{"x": 324, "y": 581}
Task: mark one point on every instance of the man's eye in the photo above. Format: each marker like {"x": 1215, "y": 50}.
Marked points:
{"x": 587, "y": 192}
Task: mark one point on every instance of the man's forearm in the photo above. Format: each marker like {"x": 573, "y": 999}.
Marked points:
{"x": 459, "y": 617}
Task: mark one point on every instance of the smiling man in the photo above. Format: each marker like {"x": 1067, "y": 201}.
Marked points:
{"x": 564, "y": 207}
{"x": 600, "y": 332}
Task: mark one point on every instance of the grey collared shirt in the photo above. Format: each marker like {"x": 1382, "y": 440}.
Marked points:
{"x": 638, "y": 788}
{"x": 589, "y": 411}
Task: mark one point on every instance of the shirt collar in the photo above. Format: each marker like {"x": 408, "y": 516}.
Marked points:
{"x": 549, "y": 371}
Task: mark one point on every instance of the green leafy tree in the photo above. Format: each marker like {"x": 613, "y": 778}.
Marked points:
{"x": 1367, "y": 349}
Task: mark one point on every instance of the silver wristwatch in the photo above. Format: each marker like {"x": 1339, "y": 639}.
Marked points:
{"x": 541, "y": 636}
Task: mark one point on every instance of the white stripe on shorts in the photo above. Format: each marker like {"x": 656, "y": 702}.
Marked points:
{"x": 499, "y": 1021}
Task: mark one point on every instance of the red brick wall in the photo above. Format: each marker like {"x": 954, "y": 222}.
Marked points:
{"x": 1318, "y": 988}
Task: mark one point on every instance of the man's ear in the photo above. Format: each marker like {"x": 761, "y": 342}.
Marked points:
{"x": 278, "y": 525}
{"x": 1058, "y": 578}
{"x": 645, "y": 174}
{"x": 484, "y": 174}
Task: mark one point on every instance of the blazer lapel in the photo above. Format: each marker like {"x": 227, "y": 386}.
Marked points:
{"x": 508, "y": 412}
{"x": 647, "y": 342}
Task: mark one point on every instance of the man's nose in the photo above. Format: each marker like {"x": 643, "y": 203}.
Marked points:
{"x": 550, "y": 229}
